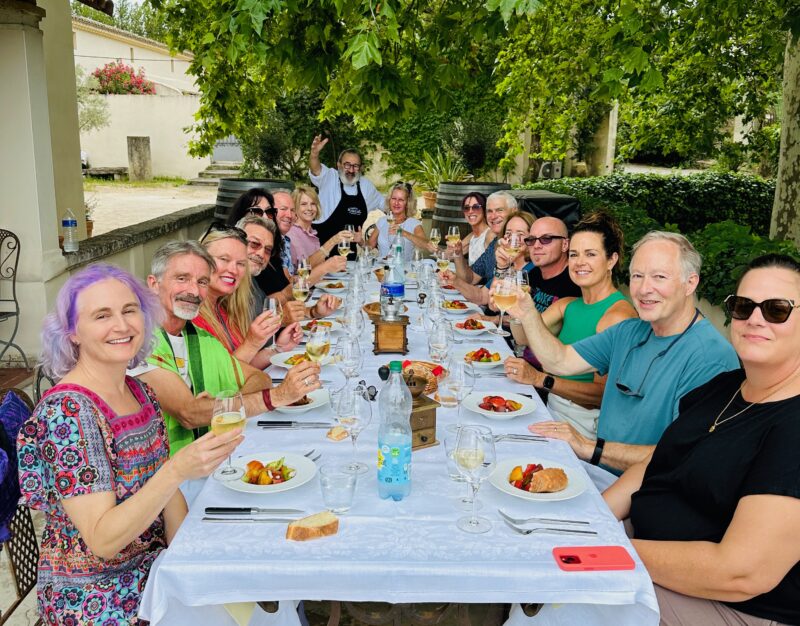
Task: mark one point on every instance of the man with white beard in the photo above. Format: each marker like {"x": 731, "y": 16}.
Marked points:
{"x": 345, "y": 196}
{"x": 188, "y": 366}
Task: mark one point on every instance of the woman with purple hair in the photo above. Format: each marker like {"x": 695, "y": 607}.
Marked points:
{"x": 94, "y": 455}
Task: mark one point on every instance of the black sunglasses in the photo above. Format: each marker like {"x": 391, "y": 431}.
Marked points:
{"x": 370, "y": 393}
{"x": 407, "y": 186}
{"x": 472, "y": 207}
{"x": 774, "y": 310}
{"x": 545, "y": 240}
{"x": 257, "y": 210}
{"x": 232, "y": 231}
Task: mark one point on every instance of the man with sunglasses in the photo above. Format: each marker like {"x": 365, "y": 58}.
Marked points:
{"x": 345, "y": 197}
{"x": 651, "y": 362}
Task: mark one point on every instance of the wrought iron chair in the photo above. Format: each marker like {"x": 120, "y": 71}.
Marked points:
{"x": 41, "y": 383}
{"x": 22, "y": 549}
{"x": 9, "y": 306}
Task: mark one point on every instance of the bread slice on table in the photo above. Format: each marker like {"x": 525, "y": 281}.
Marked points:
{"x": 337, "y": 433}
{"x": 548, "y": 480}
{"x": 313, "y": 527}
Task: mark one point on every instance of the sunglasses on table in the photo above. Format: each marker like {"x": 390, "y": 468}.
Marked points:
{"x": 545, "y": 240}
{"x": 257, "y": 210}
{"x": 231, "y": 231}
{"x": 774, "y": 310}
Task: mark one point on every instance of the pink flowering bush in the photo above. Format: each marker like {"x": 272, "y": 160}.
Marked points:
{"x": 118, "y": 78}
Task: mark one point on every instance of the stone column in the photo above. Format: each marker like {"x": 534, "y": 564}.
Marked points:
{"x": 140, "y": 164}
{"x": 26, "y": 166}
{"x": 600, "y": 159}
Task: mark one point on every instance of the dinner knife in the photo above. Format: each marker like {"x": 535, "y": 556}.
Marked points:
{"x": 322, "y": 380}
{"x": 250, "y": 510}
{"x": 284, "y": 424}
{"x": 246, "y": 520}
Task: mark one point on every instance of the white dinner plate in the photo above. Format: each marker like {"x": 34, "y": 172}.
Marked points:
{"x": 335, "y": 325}
{"x": 335, "y": 275}
{"x": 449, "y": 290}
{"x": 304, "y": 471}
{"x": 334, "y": 290}
{"x": 480, "y": 366}
{"x": 318, "y": 397}
{"x": 473, "y": 400}
{"x": 471, "y": 308}
{"x": 576, "y": 484}
{"x": 486, "y": 327}
{"x": 280, "y": 359}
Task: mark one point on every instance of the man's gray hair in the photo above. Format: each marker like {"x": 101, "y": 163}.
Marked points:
{"x": 288, "y": 192}
{"x": 258, "y": 221}
{"x": 511, "y": 201}
{"x": 689, "y": 258}
{"x": 171, "y": 249}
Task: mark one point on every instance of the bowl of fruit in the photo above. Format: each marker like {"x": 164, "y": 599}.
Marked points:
{"x": 499, "y": 407}
{"x": 483, "y": 359}
{"x": 472, "y": 327}
{"x": 272, "y": 472}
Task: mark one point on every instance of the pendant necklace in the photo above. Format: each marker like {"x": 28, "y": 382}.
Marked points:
{"x": 718, "y": 422}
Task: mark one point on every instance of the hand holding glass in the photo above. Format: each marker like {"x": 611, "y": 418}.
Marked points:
{"x": 505, "y": 296}
{"x": 227, "y": 414}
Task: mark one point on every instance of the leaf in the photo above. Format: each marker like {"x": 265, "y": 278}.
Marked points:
{"x": 652, "y": 80}
{"x": 635, "y": 60}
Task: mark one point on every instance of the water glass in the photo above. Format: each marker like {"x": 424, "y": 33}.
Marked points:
{"x": 353, "y": 412}
{"x": 338, "y": 486}
{"x": 457, "y": 384}
{"x": 440, "y": 339}
{"x": 348, "y": 356}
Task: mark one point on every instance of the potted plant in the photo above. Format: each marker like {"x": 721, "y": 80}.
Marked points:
{"x": 435, "y": 169}
{"x": 89, "y": 214}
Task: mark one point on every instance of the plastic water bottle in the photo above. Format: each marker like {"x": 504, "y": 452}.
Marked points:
{"x": 392, "y": 285}
{"x": 69, "y": 228}
{"x": 394, "y": 436}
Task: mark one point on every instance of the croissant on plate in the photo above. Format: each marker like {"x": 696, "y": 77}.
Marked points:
{"x": 548, "y": 480}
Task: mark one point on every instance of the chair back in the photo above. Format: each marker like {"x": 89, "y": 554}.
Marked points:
{"x": 41, "y": 383}
{"x": 9, "y": 260}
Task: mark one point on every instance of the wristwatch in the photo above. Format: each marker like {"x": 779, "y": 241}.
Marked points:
{"x": 548, "y": 382}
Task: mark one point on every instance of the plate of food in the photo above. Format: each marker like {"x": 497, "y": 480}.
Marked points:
{"x": 311, "y": 400}
{"x": 473, "y": 327}
{"x": 290, "y": 359}
{"x": 374, "y": 308}
{"x": 499, "y": 407}
{"x": 331, "y": 325}
{"x": 271, "y": 472}
{"x": 483, "y": 359}
{"x": 333, "y": 286}
{"x": 449, "y": 289}
{"x": 538, "y": 479}
{"x": 335, "y": 275}
{"x": 459, "y": 307}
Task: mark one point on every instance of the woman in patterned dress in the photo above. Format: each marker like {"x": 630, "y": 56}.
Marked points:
{"x": 94, "y": 455}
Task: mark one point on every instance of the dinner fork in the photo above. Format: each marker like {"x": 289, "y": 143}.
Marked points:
{"x": 543, "y": 520}
{"x": 513, "y": 437}
{"x": 552, "y": 531}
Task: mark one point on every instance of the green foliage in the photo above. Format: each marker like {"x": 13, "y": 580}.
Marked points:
{"x": 727, "y": 248}
{"x": 279, "y": 146}
{"x": 92, "y": 108}
{"x": 437, "y": 168}
{"x": 690, "y": 202}
{"x": 138, "y": 18}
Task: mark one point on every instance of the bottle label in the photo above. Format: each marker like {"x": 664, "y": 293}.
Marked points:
{"x": 395, "y": 290}
{"x": 394, "y": 463}
{"x": 67, "y": 223}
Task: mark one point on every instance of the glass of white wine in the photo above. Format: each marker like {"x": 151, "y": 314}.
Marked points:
{"x": 475, "y": 458}
{"x": 228, "y": 414}
{"x": 522, "y": 281}
{"x": 303, "y": 268}
{"x": 274, "y": 307}
{"x": 505, "y": 296}
{"x": 343, "y": 248}
{"x": 435, "y": 236}
{"x": 319, "y": 344}
{"x": 453, "y": 235}
{"x": 300, "y": 289}
{"x": 514, "y": 244}
{"x": 442, "y": 262}
{"x": 354, "y": 413}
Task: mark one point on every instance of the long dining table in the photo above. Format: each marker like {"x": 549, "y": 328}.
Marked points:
{"x": 398, "y": 552}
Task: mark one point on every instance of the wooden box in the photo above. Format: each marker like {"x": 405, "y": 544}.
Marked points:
{"x": 390, "y": 336}
{"x": 423, "y": 423}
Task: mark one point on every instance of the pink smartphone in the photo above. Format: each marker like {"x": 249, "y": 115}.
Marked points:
{"x": 593, "y": 558}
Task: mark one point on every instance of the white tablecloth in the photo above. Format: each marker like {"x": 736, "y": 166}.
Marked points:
{"x": 408, "y": 551}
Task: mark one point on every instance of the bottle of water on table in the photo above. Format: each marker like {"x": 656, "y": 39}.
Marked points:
{"x": 394, "y": 436}
{"x": 69, "y": 229}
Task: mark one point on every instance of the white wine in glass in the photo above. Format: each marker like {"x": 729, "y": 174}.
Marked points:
{"x": 514, "y": 244}
{"x": 453, "y": 235}
{"x": 505, "y": 297}
{"x": 300, "y": 289}
{"x": 303, "y": 268}
{"x": 474, "y": 457}
{"x": 435, "y": 236}
{"x": 343, "y": 248}
{"x": 319, "y": 344}
{"x": 228, "y": 414}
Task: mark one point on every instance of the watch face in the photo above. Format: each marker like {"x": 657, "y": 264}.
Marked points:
{"x": 549, "y": 381}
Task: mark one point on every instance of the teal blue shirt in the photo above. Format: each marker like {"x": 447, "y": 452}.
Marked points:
{"x": 694, "y": 359}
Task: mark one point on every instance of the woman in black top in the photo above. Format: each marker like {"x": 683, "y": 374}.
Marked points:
{"x": 716, "y": 509}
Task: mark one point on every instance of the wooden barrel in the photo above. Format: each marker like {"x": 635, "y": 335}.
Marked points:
{"x": 231, "y": 188}
{"x": 448, "y": 203}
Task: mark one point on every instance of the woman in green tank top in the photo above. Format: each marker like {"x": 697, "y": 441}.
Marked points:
{"x": 595, "y": 250}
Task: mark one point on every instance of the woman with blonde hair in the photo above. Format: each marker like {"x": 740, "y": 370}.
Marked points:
{"x": 226, "y": 312}
{"x": 305, "y": 241}
{"x": 400, "y": 208}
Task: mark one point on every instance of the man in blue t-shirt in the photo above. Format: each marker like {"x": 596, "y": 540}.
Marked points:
{"x": 651, "y": 362}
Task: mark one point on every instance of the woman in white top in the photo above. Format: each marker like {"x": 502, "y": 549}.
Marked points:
{"x": 399, "y": 204}
{"x": 474, "y": 208}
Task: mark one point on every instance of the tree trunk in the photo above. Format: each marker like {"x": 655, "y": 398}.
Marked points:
{"x": 785, "y": 222}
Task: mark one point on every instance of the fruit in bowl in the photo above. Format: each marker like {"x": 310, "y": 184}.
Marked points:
{"x": 454, "y": 305}
{"x": 337, "y": 285}
{"x": 498, "y": 404}
{"x": 314, "y": 323}
{"x": 470, "y": 324}
{"x": 257, "y": 473}
{"x": 482, "y": 355}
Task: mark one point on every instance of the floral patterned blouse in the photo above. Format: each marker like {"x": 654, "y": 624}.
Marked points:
{"x": 73, "y": 445}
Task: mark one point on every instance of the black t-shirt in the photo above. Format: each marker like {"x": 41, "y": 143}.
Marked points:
{"x": 546, "y": 291}
{"x": 272, "y": 279}
{"x": 695, "y": 480}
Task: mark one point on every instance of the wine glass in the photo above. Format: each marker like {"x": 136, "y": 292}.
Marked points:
{"x": 442, "y": 260}
{"x": 522, "y": 281}
{"x": 348, "y": 356}
{"x": 505, "y": 296}
{"x": 440, "y": 339}
{"x": 343, "y": 248}
{"x": 453, "y": 235}
{"x": 228, "y": 413}
{"x": 300, "y": 288}
{"x": 475, "y": 459}
{"x": 319, "y": 343}
{"x": 457, "y": 383}
{"x": 353, "y": 413}
{"x": 303, "y": 268}
{"x": 514, "y": 244}
{"x": 451, "y": 432}
{"x": 435, "y": 236}
{"x": 353, "y": 319}
{"x": 274, "y": 307}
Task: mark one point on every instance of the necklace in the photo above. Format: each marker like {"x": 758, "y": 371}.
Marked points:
{"x": 718, "y": 422}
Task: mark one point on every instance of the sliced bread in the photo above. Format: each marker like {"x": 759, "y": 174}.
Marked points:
{"x": 313, "y": 527}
